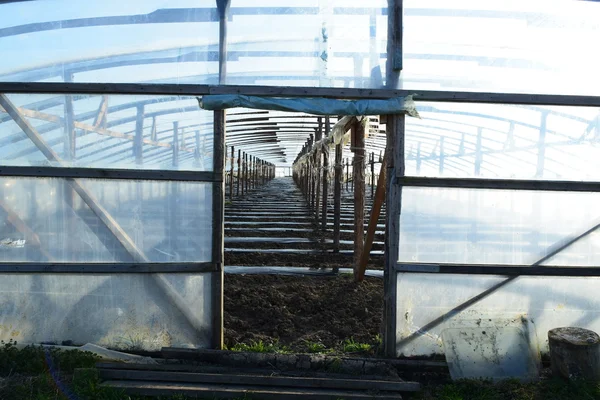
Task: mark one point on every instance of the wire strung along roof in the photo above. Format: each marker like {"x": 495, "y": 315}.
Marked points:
{"x": 512, "y": 46}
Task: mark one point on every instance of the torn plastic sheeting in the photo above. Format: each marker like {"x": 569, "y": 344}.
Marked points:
{"x": 315, "y": 106}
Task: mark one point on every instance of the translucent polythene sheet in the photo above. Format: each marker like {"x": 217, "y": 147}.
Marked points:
{"x": 490, "y": 226}
{"x": 504, "y": 141}
{"x": 540, "y": 303}
{"x": 45, "y": 220}
{"x": 176, "y": 134}
{"x": 526, "y": 46}
{"x": 326, "y": 43}
{"x": 125, "y": 311}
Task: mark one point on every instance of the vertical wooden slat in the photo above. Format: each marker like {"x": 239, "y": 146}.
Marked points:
{"x": 395, "y": 146}
{"x": 218, "y": 188}
{"x": 347, "y": 174}
{"x": 337, "y": 197}
{"x": 175, "y": 157}
{"x": 358, "y": 177}
{"x": 139, "y": 135}
{"x": 317, "y": 163}
{"x": 542, "y": 147}
{"x": 325, "y": 177}
{"x": 218, "y": 229}
{"x": 239, "y": 170}
{"x": 372, "y": 173}
{"x": 478, "y": 152}
{"x": 231, "y": 173}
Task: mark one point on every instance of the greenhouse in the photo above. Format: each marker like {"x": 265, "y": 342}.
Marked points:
{"x": 134, "y": 134}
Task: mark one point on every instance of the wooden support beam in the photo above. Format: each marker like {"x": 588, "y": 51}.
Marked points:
{"x": 317, "y": 163}
{"x": 442, "y": 155}
{"x": 419, "y": 158}
{"x": 347, "y": 174}
{"x": 373, "y": 218}
{"x": 358, "y": 177}
{"x": 239, "y": 173}
{"x": 175, "y": 145}
{"x": 139, "y": 135}
{"x": 101, "y": 116}
{"x": 218, "y": 224}
{"x": 541, "y": 147}
{"x": 478, "y": 152}
{"x": 396, "y": 166}
{"x": 337, "y": 198}
{"x": 372, "y": 162}
{"x": 231, "y": 173}
{"x": 244, "y": 187}
{"x": 153, "y": 134}
{"x": 325, "y": 177}
{"x": 196, "y": 147}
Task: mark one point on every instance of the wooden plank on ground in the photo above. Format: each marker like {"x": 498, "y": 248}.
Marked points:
{"x": 260, "y": 380}
{"x": 143, "y": 388}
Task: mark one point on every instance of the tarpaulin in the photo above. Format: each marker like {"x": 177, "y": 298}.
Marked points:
{"x": 315, "y": 106}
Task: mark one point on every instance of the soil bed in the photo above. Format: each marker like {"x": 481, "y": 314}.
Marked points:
{"x": 322, "y": 260}
{"x": 298, "y": 311}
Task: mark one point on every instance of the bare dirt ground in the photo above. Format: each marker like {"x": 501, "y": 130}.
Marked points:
{"x": 296, "y": 311}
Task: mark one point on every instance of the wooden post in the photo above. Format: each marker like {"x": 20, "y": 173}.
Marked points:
{"x": 69, "y": 136}
{"x": 317, "y": 163}
{"x": 358, "y": 178}
{"x": 372, "y": 173}
{"x": 373, "y": 219}
{"x": 244, "y": 187}
{"x": 239, "y": 166}
{"x": 175, "y": 158}
{"x": 347, "y": 174}
{"x": 418, "y": 158}
{"x": 231, "y": 173}
{"x": 309, "y": 178}
{"x": 542, "y": 147}
{"x": 337, "y": 198}
{"x": 478, "y": 154}
{"x": 139, "y": 135}
{"x": 395, "y": 167}
{"x": 325, "y": 177}
{"x": 442, "y": 155}
{"x": 196, "y": 147}
{"x": 575, "y": 353}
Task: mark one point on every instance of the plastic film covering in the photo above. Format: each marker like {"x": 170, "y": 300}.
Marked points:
{"x": 504, "y": 141}
{"x": 533, "y": 305}
{"x": 531, "y": 46}
{"x": 478, "y": 226}
{"x": 315, "y": 106}
{"x": 327, "y": 43}
{"x": 125, "y": 312}
{"x": 45, "y": 220}
{"x": 124, "y": 132}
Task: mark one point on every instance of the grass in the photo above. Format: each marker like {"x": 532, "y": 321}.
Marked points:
{"x": 261, "y": 347}
{"x": 546, "y": 389}
{"x": 37, "y": 373}
{"x": 351, "y": 346}
{"x": 316, "y": 347}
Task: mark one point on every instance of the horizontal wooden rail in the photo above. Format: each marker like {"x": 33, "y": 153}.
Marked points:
{"x": 288, "y": 91}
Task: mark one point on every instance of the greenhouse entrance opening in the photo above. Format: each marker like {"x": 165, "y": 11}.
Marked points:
{"x": 304, "y": 219}
{"x": 298, "y": 227}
